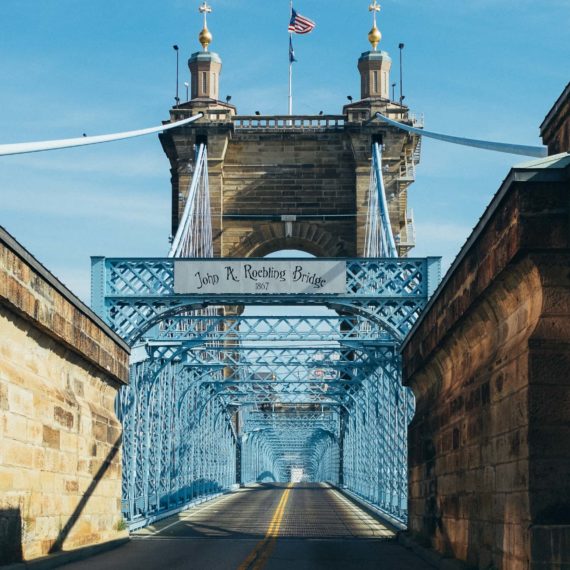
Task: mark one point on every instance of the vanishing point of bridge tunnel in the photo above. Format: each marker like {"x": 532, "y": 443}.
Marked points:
{"x": 272, "y": 526}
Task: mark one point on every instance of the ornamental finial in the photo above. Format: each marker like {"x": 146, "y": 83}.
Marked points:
{"x": 374, "y": 36}
{"x": 205, "y": 36}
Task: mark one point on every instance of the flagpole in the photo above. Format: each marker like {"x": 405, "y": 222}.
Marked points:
{"x": 290, "y": 65}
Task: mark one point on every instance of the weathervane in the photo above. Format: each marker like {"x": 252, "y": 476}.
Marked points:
{"x": 205, "y": 36}
{"x": 374, "y": 35}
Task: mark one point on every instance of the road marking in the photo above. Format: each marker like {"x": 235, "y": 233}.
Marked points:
{"x": 263, "y": 549}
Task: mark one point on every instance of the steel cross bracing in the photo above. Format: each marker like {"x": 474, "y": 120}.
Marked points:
{"x": 135, "y": 294}
{"x": 328, "y": 329}
{"x": 217, "y": 398}
{"x": 168, "y": 462}
{"x": 298, "y": 438}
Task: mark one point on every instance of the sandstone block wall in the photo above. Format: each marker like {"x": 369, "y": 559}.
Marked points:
{"x": 60, "y": 452}
{"x": 489, "y": 363}
{"x": 321, "y": 175}
{"x": 281, "y": 174}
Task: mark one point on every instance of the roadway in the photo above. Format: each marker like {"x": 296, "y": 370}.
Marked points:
{"x": 272, "y": 527}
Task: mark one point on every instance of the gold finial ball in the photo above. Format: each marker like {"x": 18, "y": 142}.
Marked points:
{"x": 374, "y": 37}
{"x": 205, "y": 38}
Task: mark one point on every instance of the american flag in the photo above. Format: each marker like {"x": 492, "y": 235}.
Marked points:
{"x": 299, "y": 24}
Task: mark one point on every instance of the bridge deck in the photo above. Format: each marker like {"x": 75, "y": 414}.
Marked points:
{"x": 270, "y": 526}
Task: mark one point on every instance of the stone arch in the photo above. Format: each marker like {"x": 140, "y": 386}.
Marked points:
{"x": 306, "y": 236}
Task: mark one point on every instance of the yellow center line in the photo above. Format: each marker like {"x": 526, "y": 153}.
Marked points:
{"x": 263, "y": 549}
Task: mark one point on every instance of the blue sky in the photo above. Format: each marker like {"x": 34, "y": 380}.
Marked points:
{"x": 486, "y": 69}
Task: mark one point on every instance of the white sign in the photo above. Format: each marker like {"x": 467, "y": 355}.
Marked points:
{"x": 260, "y": 276}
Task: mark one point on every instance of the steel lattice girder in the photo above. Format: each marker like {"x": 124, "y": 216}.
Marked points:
{"x": 134, "y": 294}
{"x": 257, "y": 356}
{"x": 202, "y": 329}
{"x": 264, "y": 374}
{"x": 322, "y": 394}
{"x": 296, "y": 439}
{"x": 168, "y": 461}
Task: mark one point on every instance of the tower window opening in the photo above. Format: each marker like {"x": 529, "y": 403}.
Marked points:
{"x": 375, "y": 79}
{"x": 204, "y": 82}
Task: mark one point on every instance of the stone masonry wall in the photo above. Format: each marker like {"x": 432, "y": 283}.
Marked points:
{"x": 319, "y": 175}
{"x": 489, "y": 361}
{"x": 60, "y": 459}
{"x": 280, "y": 174}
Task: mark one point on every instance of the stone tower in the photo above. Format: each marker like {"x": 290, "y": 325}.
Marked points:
{"x": 293, "y": 182}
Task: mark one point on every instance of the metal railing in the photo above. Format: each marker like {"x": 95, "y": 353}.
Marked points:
{"x": 417, "y": 119}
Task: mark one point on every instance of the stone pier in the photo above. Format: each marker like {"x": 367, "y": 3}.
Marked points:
{"x": 489, "y": 363}
{"x": 60, "y": 452}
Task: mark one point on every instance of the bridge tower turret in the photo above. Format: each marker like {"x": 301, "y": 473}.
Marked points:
{"x": 374, "y": 65}
{"x": 294, "y": 182}
{"x": 205, "y": 70}
{"x": 205, "y": 66}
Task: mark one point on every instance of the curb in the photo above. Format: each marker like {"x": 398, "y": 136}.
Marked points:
{"x": 428, "y": 555}
{"x": 61, "y": 558}
{"x": 431, "y": 556}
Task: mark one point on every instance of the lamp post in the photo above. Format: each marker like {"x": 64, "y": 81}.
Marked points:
{"x": 176, "y": 99}
{"x": 401, "y": 46}
{"x": 393, "y": 91}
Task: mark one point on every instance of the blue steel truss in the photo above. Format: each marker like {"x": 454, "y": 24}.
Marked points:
{"x": 216, "y": 398}
{"x": 135, "y": 294}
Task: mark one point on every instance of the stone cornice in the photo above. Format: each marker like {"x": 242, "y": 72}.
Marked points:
{"x": 30, "y": 290}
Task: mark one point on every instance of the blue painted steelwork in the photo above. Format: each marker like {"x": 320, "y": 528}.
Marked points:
{"x": 218, "y": 398}
{"x": 139, "y": 293}
{"x": 300, "y": 437}
{"x": 170, "y": 456}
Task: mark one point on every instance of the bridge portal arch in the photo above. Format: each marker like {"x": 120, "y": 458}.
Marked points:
{"x": 310, "y": 237}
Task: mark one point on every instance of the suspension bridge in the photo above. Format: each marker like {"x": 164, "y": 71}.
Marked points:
{"x": 227, "y": 399}
{"x": 266, "y": 421}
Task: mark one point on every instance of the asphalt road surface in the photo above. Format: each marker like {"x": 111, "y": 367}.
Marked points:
{"x": 273, "y": 527}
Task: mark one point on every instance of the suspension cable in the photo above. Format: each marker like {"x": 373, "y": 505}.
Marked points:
{"x": 25, "y": 148}
{"x": 524, "y": 150}
{"x": 379, "y": 239}
{"x": 194, "y": 235}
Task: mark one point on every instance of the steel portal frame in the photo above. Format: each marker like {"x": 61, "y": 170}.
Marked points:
{"x": 219, "y": 399}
